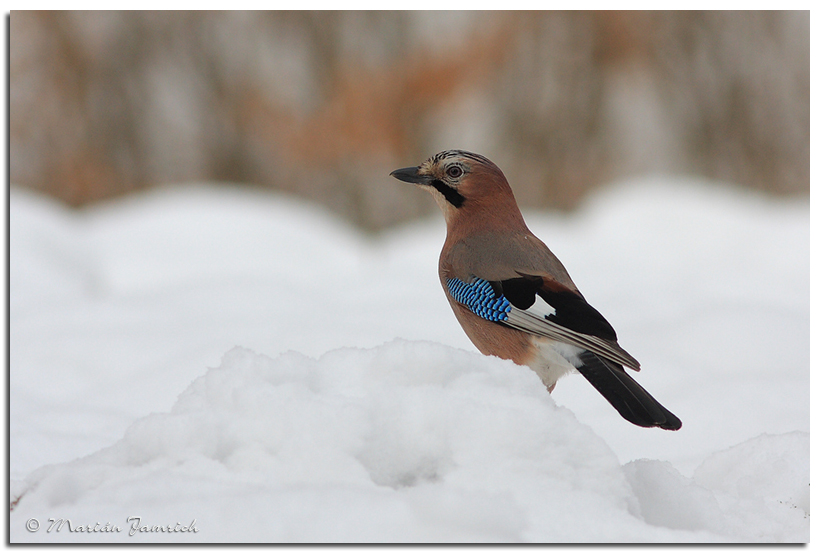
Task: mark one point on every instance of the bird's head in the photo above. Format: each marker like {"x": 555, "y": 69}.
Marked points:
{"x": 461, "y": 182}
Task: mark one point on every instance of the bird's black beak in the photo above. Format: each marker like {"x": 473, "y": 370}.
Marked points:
{"x": 410, "y": 174}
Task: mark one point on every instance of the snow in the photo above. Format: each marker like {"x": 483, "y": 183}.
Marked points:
{"x": 251, "y": 364}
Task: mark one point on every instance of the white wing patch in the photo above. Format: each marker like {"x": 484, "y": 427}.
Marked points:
{"x": 540, "y": 308}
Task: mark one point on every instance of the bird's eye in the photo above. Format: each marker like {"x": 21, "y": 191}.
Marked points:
{"x": 454, "y": 172}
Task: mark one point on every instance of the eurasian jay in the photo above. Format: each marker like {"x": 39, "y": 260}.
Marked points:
{"x": 513, "y": 297}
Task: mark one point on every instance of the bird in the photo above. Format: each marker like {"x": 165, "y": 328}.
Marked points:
{"x": 513, "y": 297}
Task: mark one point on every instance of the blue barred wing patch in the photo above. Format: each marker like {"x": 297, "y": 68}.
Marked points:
{"x": 480, "y": 298}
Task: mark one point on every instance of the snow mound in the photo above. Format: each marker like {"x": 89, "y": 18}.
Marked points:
{"x": 757, "y": 490}
{"x": 404, "y": 442}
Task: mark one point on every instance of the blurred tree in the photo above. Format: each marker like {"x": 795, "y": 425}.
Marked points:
{"x": 325, "y": 104}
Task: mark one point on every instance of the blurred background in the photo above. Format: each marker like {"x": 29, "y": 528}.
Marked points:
{"x": 324, "y": 105}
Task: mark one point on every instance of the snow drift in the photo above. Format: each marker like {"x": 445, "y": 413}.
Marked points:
{"x": 410, "y": 441}
{"x": 357, "y": 435}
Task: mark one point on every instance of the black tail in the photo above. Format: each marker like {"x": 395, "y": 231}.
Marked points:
{"x": 627, "y": 396}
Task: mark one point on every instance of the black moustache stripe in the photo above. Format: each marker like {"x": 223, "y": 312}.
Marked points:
{"x": 450, "y": 194}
